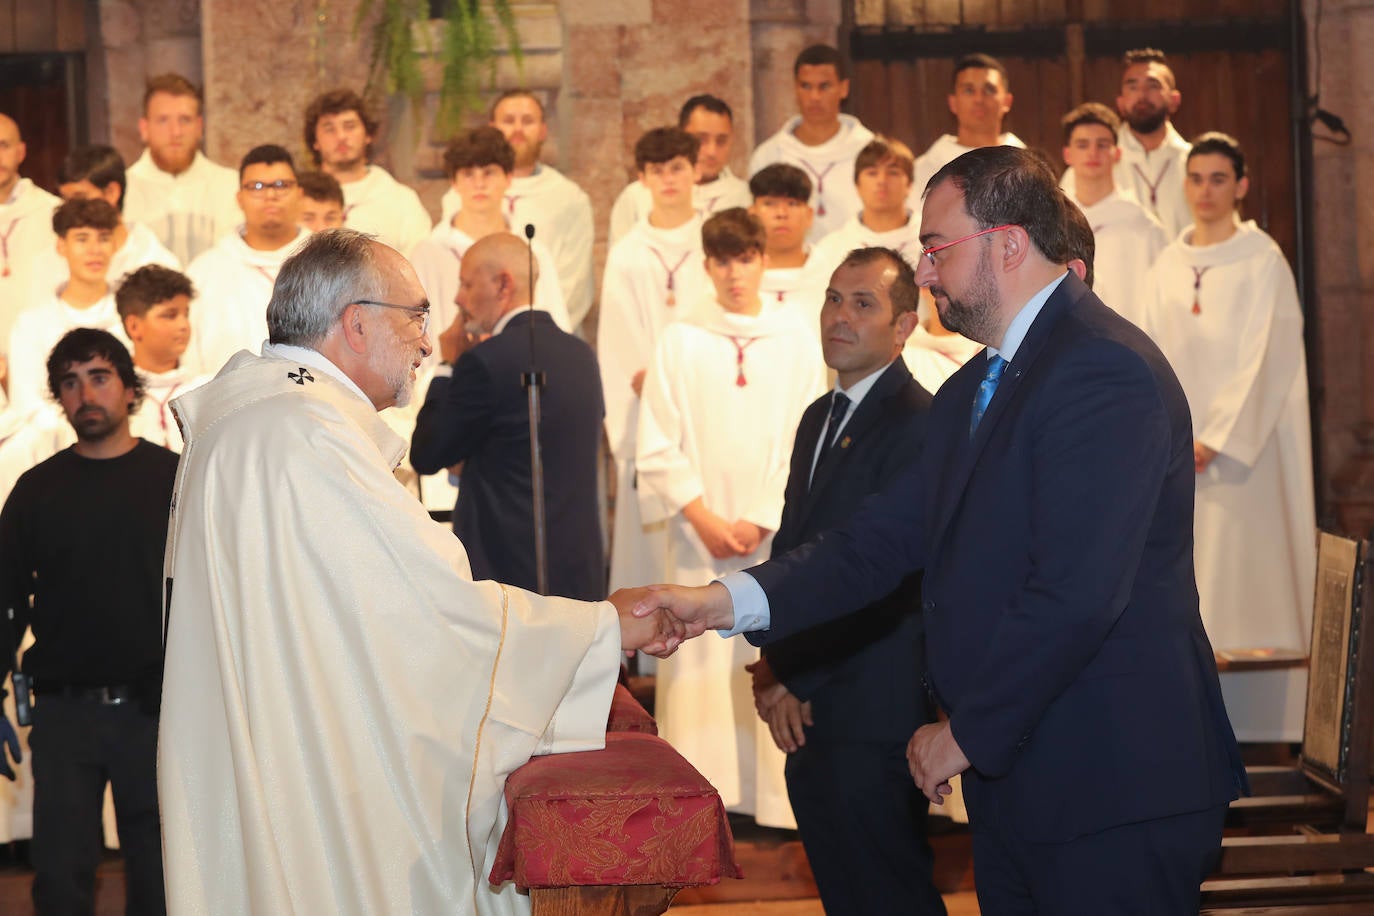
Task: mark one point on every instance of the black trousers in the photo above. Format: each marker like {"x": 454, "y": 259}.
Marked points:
{"x": 863, "y": 825}
{"x": 78, "y": 746}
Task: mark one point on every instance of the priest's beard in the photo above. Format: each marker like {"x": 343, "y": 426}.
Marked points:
{"x": 1146, "y": 120}
{"x": 974, "y": 313}
{"x": 393, "y": 363}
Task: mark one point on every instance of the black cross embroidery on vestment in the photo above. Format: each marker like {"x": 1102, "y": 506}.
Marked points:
{"x": 300, "y": 378}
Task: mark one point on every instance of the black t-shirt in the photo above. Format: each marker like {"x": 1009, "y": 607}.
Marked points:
{"x": 85, "y": 537}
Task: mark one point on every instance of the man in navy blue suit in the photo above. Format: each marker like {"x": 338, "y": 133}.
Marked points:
{"x": 846, "y": 696}
{"x": 479, "y": 416}
{"x": 1051, "y": 510}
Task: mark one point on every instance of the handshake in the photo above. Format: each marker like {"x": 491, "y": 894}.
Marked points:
{"x": 658, "y": 618}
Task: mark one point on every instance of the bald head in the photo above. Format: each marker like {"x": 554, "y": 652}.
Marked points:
{"x": 11, "y": 155}
{"x": 495, "y": 277}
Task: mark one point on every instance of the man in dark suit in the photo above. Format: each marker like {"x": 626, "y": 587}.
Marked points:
{"x": 843, "y": 698}
{"x": 1052, "y": 513}
{"x": 479, "y": 417}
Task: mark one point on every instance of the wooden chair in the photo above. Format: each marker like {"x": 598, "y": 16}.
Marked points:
{"x": 1306, "y": 849}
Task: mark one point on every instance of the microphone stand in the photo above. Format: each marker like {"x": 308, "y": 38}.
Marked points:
{"x": 533, "y": 382}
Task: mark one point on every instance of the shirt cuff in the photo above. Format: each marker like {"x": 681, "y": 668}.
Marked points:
{"x": 750, "y": 602}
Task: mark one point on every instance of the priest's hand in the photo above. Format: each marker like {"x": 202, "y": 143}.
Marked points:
{"x": 787, "y": 720}
{"x": 8, "y": 739}
{"x": 715, "y": 532}
{"x": 1202, "y": 456}
{"x": 934, "y": 758}
{"x": 749, "y": 535}
{"x": 706, "y": 607}
{"x": 657, "y": 633}
{"x": 455, "y": 340}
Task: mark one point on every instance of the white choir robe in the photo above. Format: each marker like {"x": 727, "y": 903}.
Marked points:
{"x": 1154, "y": 177}
{"x": 380, "y": 205}
{"x": 830, "y": 251}
{"x": 704, "y": 435}
{"x": 634, "y": 311}
{"x": 634, "y": 203}
{"x": 1241, "y": 362}
{"x": 933, "y": 358}
{"x": 1127, "y": 240}
{"x": 830, "y": 166}
{"x": 188, "y": 212}
{"x": 340, "y": 714}
{"x": 233, "y": 286}
{"x": 25, "y": 233}
{"x": 140, "y": 248}
{"x": 37, "y": 330}
{"x": 800, "y": 290}
{"x": 561, "y": 214}
{"x": 941, "y": 153}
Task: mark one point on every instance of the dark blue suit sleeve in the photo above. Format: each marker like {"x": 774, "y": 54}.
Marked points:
{"x": 455, "y": 418}
{"x": 1098, "y": 461}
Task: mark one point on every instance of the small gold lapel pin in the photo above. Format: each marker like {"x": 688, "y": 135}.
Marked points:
{"x": 844, "y": 443}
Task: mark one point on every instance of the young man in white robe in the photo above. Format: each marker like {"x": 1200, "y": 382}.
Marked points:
{"x": 979, "y": 99}
{"x": 541, "y": 196}
{"x": 782, "y": 204}
{"x": 25, "y": 227}
{"x": 1222, "y": 305}
{"x": 342, "y": 702}
{"x": 711, "y": 121}
{"x": 726, "y": 389}
{"x": 174, "y": 189}
{"x": 339, "y": 132}
{"x": 322, "y": 201}
{"x": 1127, "y": 237}
{"x": 882, "y": 179}
{"x": 652, "y": 276}
{"x": 85, "y": 239}
{"x": 1154, "y": 156}
{"x": 819, "y": 140}
{"x": 97, "y": 172}
{"x": 235, "y": 277}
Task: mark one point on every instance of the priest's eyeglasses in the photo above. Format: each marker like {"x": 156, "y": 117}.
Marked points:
{"x": 929, "y": 253}
{"x": 261, "y": 188}
{"x": 418, "y": 312}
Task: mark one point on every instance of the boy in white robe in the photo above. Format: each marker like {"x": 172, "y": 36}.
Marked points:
{"x": 820, "y": 141}
{"x": 541, "y": 196}
{"x": 782, "y": 204}
{"x": 98, "y": 172}
{"x": 711, "y": 121}
{"x": 85, "y": 239}
{"x": 235, "y": 277}
{"x": 339, "y": 132}
{"x": 882, "y": 180}
{"x": 979, "y": 99}
{"x": 322, "y": 201}
{"x": 722, "y": 400}
{"x": 1223, "y": 307}
{"x": 25, "y": 228}
{"x": 186, "y": 199}
{"x": 652, "y": 275}
{"x": 338, "y": 691}
{"x": 1127, "y": 238}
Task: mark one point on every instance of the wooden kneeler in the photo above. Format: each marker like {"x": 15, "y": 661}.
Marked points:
{"x": 1312, "y": 850}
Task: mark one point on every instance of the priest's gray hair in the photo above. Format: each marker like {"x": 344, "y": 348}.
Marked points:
{"x": 332, "y": 269}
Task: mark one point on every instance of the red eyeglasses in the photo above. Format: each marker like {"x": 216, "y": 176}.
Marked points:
{"x": 929, "y": 253}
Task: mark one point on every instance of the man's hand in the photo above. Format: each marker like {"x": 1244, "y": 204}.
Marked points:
{"x": 715, "y": 532}
{"x": 786, "y": 720}
{"x": 934, "y": 757}
{"x": 656, "y": 633}
{"x": 749, "y": 536}
{"x": 637, "y": 382}
{"x": 455, "y": 340}
{"x": 10, "y": 740}
{"x": 1202, "y": 456}
{"x": 707, "y": 607}
{"x": 764, "y": 684}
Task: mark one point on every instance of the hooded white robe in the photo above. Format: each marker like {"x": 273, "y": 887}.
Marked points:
{"x": 1127, "y": 241}
{"x": 341, "y": 702}
{"x": 37, "y": 330}
{"x": 25, "y": 233}
{"x": 933, "y": 358}
{"x": 634, "y": 203}
{"x": 188, "y": 212}
{"x": 561, "y": 213}
{"x": 1241, "y": 362}
{"x": 941, "y": 153}
{"x": 800, "y": 290}
{"x": 829, "y": 252}
{"x": 379, "y": 204}
{"x": 702, "y": 434}
{"x": 1154, "y": 177}
{"x": 830, "y": 167}
{"x": 634, "y": 311}
{"x": 141, "y": 247}
{"x": 233, "y": 286}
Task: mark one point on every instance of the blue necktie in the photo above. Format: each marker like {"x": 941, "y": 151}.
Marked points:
{"x": 986, "y": 388}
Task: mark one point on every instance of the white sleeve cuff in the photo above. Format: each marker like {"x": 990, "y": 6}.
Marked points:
{"x": 750, "y": 603}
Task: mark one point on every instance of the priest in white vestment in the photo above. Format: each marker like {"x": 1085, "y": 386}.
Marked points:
{"x": 234, "y": 279}
{"x": 342, "y": 703}
{"x": 1222, "y": 305}
{"x": 722, "y": 400}
{"x": 25, "y": 230}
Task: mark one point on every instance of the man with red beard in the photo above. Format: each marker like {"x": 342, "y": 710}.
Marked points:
{"x": 187, "y": 200}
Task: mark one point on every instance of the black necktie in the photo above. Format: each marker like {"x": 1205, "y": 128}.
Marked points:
{"x": 839, "y": 406}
